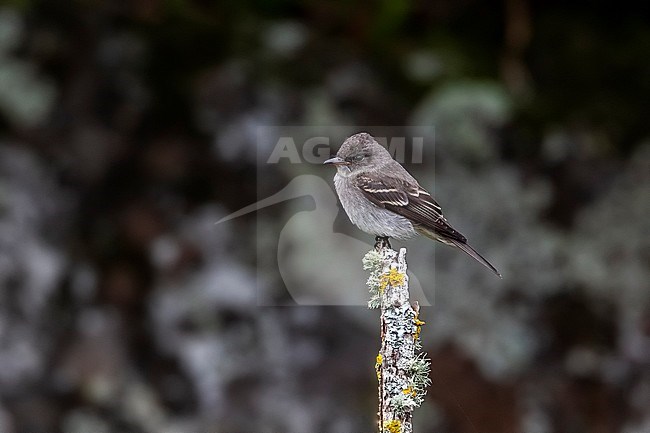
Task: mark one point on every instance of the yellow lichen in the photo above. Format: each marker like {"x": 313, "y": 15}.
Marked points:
{"x": 392, "y": 278}
{"x": 418, "y": 327}
{"x": 410, "y": 391}
{"x": 393, "y": 426}
{"x": 378, "y": 365}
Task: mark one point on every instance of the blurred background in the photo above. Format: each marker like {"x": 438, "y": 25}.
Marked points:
{"x": 128, "y": 128}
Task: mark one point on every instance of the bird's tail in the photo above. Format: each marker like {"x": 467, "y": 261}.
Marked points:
{"x": 459, "y": 243}
{"x": 474, "y": 254}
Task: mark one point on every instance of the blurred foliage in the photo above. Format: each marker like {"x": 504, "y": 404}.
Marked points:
{"x": 127, "y": 128}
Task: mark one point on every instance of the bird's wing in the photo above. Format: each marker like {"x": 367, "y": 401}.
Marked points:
{"x": 409, "y": 200}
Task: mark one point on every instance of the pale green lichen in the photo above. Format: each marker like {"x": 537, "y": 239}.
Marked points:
{"x": 403, "y": 403}
{"x": 419, "y": 380}
{"x": 378, "y": 279}
{"x": 373, "y": 262}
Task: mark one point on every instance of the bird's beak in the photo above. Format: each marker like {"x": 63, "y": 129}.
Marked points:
{"x": 336, "y": 161}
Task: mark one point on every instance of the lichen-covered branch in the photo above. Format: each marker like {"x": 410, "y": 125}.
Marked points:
{"x": 402, "y": 370}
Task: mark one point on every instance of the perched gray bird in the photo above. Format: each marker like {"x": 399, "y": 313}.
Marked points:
{"x": 382, "y": 198}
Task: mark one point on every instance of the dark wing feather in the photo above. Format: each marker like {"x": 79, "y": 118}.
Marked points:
{"x": 410, "y": 201}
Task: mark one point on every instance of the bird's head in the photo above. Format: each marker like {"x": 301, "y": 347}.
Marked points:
{"x": 359, "y": 152}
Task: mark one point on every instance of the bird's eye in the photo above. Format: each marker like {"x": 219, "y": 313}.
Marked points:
{"x": 358, "y": 158}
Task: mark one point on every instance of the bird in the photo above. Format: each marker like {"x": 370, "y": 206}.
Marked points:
{"x": 382, "y": 198}
{"x": 307, "y": 271}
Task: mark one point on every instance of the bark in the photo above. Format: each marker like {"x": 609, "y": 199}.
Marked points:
{"x": 402, "y": 369}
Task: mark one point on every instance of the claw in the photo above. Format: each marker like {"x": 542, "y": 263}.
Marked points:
{"x": 382, "y": 242}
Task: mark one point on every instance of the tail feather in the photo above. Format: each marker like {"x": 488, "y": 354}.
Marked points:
{"x": 475, "y": 255}
{"x": 459, "y": 243}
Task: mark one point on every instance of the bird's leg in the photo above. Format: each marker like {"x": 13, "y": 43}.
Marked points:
{"x": 382, "y": 242}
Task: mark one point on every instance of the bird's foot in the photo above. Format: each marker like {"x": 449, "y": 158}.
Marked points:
{"x": 382, "y": 242}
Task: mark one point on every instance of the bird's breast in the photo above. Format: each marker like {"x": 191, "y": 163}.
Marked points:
{"x": 369, "y": 217}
